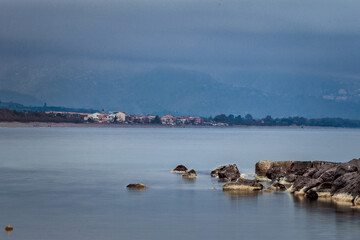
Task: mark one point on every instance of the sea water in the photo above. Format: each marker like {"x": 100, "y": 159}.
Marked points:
{"x": 70, "y": 183}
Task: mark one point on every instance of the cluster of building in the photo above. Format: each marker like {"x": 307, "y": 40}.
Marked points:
{"x": 122, "y": 117}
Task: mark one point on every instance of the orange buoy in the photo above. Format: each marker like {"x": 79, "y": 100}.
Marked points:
{"x": 9, "y": 228}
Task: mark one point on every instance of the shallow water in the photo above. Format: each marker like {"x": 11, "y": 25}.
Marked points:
{"x": 69, "y": 183}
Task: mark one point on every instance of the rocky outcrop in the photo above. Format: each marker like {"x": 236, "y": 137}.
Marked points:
{"x": 243, "y": 185}
{"x": 226, "y": 173}
{"x": 179, "y": 169}
{"x": 136, "y": 186}
{"x": 317, "y": 179}
{"x": 190, "y": 174}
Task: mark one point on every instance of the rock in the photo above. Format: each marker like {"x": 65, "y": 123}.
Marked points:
{"x": 262, "y": 167}
{"x": 343, "y": 169}
{"x": 290, "y": 178}
{"x": 179, "y": 169}
{"x": 300, "y": 183}
{"x": 328, "y": 175}
{"x": 311, "y": 195}
{"x": 277, "y": 187}
{"x": 243, "y": 185}
{"x": 190, "y": 174}
{"x": 226, "y": 173}
{"x": 322, "y": 169}
{"x": 324, "y": 187}
{"x": 300, "y": 168}
{"x": 324, "y": 190}
{"x": 136, "y": 186}
{"x": 316, "y": 179}
{"x": 274, "y": 173}
{"x": 310, "y": 172}
{"x": 9, "y": 228}
{"x": 349, "y": 183}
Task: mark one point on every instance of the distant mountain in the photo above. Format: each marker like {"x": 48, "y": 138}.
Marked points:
{"x": 21, "y": 107}
{"x": 12, "y": 96}
{"x": 185, "y": 92}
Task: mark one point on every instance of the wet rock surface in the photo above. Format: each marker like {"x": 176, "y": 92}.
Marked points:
{"x": 227, "y": 173}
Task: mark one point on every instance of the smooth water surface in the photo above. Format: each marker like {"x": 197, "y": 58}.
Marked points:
{"x": 69, "y": 183}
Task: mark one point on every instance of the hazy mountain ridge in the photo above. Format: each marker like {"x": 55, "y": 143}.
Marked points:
{"x": 184, "y": 92}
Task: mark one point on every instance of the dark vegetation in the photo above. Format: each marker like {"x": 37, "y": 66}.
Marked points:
{"x": 7, "y": 115}
{"x": 248, "y": 120}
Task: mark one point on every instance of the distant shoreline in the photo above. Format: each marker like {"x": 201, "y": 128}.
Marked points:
{"x": 111, "y": 125}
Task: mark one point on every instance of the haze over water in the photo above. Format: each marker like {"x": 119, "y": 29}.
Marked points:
{"x": 69, "y": 183}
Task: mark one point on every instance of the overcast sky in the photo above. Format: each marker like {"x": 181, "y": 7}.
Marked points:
{"x": 307, "y": 37}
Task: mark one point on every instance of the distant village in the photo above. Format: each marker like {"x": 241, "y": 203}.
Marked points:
{"x": 124, "y": 118}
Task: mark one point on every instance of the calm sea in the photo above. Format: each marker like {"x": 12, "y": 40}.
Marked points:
{"x": 69, "y": 183}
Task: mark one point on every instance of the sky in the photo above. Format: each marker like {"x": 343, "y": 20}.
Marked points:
{"x": 308, "y": 36}
{"x": 229, "y": 40}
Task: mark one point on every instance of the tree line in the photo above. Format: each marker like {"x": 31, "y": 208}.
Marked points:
{"x": 248, "y": 120}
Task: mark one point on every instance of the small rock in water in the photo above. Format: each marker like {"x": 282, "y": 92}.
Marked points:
{"x": 9, "y": 228}
{"x": 226, "y": 173}
{"x": 179, "y": 169}
{"x": 136, "y": 186}
{"x": 190, "y": 174}
{"x": 243, "y": 185}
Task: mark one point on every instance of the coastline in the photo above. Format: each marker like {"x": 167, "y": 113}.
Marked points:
{"x": 110, "y": 125}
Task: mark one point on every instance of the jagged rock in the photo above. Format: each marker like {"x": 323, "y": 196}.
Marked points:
{"x": 343, "y": 169}
{"x": 310, "y": 172}
{"x": 300, "y": 183}
{"x": 262, "y": 167}
{"x": 328, "y": 175}
{"x": 323, "y": 169}
{"x": 275, "y": 173}
{"x": 299, "y": 168}
{"x": 290, "y": 178}
{"x": 349, "y": 183}
{"x": 190, "y": 174}
{"x": 243, "y": 185}
{"x": 226, "y": 173}
{"x": 179, "y": 169}
{"x": 136, "y": 186}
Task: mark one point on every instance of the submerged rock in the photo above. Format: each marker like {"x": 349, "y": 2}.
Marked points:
{"x": 179, "y": 169}
{"x": 226, "y": 173}
{"x": 190, "y": 174}
{"x": 136, "y": 186}
{"x": 243, "y": 185}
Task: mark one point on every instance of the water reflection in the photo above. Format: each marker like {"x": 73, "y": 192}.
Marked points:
{"x": 189, "y": 180}
{"x": 325, "y": 205}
